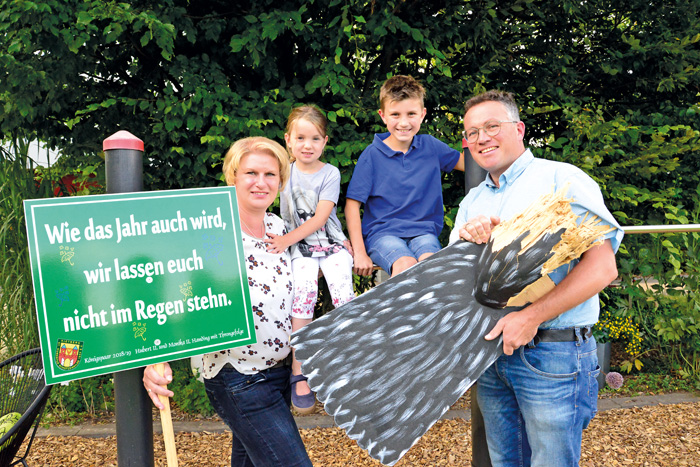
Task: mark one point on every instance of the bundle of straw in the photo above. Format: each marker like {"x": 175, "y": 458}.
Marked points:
{"x": 549, "y": 214}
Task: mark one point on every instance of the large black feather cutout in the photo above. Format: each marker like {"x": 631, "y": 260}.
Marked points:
{"x": 390, "y": 363}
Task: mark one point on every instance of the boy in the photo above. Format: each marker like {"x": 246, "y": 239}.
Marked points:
{"x": 398, "y": 179}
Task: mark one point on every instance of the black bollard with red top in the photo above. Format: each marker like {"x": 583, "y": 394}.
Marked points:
{"x": 133, "y": 407}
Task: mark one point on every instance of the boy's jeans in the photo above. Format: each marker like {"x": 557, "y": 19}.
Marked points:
{"x": 537, "y": 402}
{"x": 386, "y": 250}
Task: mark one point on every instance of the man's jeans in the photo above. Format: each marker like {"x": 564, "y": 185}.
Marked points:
{"x": 537, "y": 402}
{"x": 257, "y": 410}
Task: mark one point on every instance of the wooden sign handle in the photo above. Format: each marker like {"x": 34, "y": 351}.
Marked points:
{"x": 166, "y": 422}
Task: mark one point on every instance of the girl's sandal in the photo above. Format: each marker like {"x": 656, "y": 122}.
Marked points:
{"x": 303, "y": 404}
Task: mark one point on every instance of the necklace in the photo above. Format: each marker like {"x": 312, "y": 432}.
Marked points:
{"x": 250, "y": 231}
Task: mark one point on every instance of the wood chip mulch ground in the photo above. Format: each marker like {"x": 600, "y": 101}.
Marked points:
{"x": 655, "y": 436}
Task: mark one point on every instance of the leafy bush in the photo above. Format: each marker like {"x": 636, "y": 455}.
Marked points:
{"x": 660, "y": 293}
{"x": 90, "y": 395}
{"x": 95, "y": 395}
{"x": 190, "y": 396}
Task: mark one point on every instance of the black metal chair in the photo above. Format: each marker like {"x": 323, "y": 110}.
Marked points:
{"x": 22, "y": 390}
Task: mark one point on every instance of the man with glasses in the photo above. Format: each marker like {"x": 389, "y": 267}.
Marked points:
{"x": 538, "y": 397}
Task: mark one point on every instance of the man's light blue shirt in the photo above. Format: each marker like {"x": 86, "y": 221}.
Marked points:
{"x": 524, "y": 181}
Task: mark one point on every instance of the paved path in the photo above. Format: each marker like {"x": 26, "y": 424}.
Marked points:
{"x": 325, "y": 421}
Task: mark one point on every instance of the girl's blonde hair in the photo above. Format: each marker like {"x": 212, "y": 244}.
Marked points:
{"x": 310, "y": 113}
{"x": 254, "y": 144}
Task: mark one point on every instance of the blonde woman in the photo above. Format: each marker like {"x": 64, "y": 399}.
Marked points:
{"x": 249, "y": 386}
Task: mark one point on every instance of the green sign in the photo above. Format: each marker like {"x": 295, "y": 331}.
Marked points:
{"x": 123, "y": 281}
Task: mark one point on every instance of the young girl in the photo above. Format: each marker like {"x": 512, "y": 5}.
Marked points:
{"x": 308, "y": 208}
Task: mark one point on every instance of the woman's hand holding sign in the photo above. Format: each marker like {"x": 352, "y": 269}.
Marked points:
{"x": 156, "y": 384}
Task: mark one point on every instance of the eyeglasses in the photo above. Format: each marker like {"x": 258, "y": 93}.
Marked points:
{"x": 491, "y": 128}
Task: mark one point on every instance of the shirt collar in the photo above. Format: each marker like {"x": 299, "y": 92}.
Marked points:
{"x": 387, "y": 151}
{"x": 514, "y": 171}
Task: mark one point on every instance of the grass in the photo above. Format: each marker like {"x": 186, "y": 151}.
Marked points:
{"x": 652, "y": 384}
{"x": 655, "y": 378}
{"x": 56, "y": 418}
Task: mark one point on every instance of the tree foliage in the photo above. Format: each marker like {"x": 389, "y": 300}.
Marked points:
{"x": 612, "y": 88}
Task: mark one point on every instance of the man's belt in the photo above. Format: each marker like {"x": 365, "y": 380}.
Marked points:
{"x": 562, "y": 335}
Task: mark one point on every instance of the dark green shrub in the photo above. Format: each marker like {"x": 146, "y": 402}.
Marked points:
{"x": 90, "y": 395}
{"x": 190, "y": 396}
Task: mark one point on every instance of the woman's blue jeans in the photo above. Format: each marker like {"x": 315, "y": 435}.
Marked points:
{"x": 257, "y": 410}
{"x": 537, "y": 402}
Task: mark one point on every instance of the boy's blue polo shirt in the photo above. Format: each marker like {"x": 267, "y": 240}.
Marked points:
{"x": 401, "y": 193}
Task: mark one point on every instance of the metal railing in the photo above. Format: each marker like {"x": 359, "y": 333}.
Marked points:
{"x": 679, "y": 228}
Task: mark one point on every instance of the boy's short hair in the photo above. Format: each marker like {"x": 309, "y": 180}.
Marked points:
{"x": 399, "y": 88}
{"x": 504, "y": 97}
{"x": 255, "y": 144}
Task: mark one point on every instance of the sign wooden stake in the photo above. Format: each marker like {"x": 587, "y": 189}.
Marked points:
{"x": 166, "y": 422}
